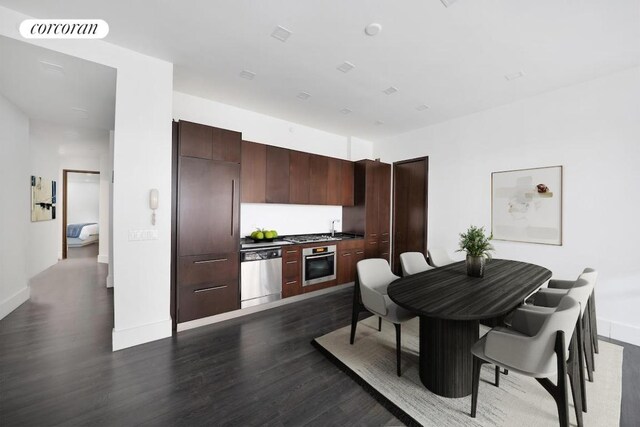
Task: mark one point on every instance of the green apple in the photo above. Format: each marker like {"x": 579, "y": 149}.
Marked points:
{"x": 269, "y": 235}
{"x": 259, "y": 235}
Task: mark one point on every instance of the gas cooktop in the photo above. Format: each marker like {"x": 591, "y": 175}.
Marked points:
{"x": 310, "y": 238}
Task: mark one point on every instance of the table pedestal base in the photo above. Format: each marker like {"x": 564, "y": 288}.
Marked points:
{"x": 446, "y": 362}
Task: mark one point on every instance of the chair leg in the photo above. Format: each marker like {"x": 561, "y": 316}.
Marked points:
{"x": 379, "y": 324}
{"x": 580, "y": 363}
{"x": 559, "y": 391}
{"x": 497, "y": 383}
{"x": 355, "y": 311}
{"x": 587, "y": 349}
{"x": 577, "y": 393}
{"x": 593, "y": 320}
{"x": 477, "y": 364}
{"x": 398, "y": 347}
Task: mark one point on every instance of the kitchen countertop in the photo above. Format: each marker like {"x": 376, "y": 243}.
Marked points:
{"x": 282, "y": 240}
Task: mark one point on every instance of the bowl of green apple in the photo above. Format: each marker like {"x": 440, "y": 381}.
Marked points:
{"x": 262, "y": 235}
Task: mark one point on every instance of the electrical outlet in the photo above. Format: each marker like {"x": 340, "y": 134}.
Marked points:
{"x": 137, "y": 235}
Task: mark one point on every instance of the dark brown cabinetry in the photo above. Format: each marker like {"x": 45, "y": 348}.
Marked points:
{"x": 346, "y": 183}
{"x": 291, "y": 271}
{"x": 299, "y": 177}
{"x": 318, "y": 179}
{"x": 349, "y": 253}
{"x": 253, "y": 172}
{"x": 370, "y": 214}
{"x": 208, "y": 218}
{"x": 277, "y": 180}
{"x": 206, "y": 142}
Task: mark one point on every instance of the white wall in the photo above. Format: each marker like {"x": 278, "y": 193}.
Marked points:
{"x": 106, "y": 167}
{"x": 15, "y": 215}
{"x": 288, "y": 219}
{"x": 83, "y": 201}
{"x": 142, "y": 160}
{"x": 593, "y": 130}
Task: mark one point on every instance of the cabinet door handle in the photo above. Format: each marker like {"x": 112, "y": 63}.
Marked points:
{"x": 385, "y": 241}
{"x": 347, "y": 254}
{"x": 373, "y": 235}
{"x": 233, "y": 193}
{"x": 385, "y": 234}
{"x": 359, "y": 252}
{"x": 373, "y": 243}
{"x": 197, "y": 291}
{"x": 292, "y": 262}
{"x": 209, "y": 261}
{"x": 291, "y": 282}
{"x": 292, "y": 252}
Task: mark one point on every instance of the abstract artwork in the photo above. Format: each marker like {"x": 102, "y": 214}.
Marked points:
{"x": 43, "y": 199}
{"x": 526, "y": 205}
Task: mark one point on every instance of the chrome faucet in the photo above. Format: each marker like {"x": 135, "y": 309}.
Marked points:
{"x": 333, "y": 227}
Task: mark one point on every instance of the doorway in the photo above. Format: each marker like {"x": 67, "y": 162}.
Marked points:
{"x": 410, "y": 208}
{"x": 80, "y": 213}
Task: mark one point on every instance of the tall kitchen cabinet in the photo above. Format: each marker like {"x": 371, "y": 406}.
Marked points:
{"x": 371, "y": 213}
{"x": 207, "y": 236}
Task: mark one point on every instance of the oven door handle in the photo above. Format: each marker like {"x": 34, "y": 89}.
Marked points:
{"x": 320, "y": 256}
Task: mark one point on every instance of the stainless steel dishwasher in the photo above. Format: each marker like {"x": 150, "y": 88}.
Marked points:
{"x": 260, "y": 276}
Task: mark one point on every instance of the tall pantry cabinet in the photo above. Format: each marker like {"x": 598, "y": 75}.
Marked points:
{"x": 207, "y": 240}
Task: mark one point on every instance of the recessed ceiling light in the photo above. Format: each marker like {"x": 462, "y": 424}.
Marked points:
{"x": 51, "y": 67}
{"x": 281, "y": 33}
{"x": 304, "y": 96}
{"x": 448, "y": 3}
{"x": 373, "y": 29}
{"x": 390, "y": 90}
{"x": 346, "y": 66}
{"x": 345, "y": 111}
{"x": 422, "y": 107}
{"x": 378, "y": 123}
{"x": 514, "y": 76}
{"x": 246, "y": 74}
{"x": 81, "y": 112}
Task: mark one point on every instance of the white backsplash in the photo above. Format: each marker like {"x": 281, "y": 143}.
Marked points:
{"x": 288, "y": 219}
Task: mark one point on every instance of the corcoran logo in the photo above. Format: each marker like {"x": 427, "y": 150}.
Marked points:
{"x": 64, "y": 29}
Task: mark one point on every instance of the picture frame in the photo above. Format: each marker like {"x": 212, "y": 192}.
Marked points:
{"x": 526, "y": 205}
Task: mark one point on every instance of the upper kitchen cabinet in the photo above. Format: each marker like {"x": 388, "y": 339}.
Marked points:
{"x": 370, "y": 214}
{"x": 299, "y": 177}
{"x": 277, "y": 179}
{"x": 254, "y": 173}
{"x": 334, "y": 181}
{"x": 346, "y": 183}
{"x": 318, "y": 179}
{"x": 207, "y": 142}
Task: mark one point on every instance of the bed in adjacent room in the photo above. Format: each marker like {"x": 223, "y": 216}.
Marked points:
{"x": 79, "y": 235}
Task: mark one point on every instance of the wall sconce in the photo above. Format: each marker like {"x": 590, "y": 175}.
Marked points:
{"x": 153, "y": 204}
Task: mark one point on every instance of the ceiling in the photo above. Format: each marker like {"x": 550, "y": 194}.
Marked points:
{"x": 453, "y": 60}
{"x": 58, "y": 89}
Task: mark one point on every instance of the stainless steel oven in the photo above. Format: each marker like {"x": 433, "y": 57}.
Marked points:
{"x": 318, "y": 265}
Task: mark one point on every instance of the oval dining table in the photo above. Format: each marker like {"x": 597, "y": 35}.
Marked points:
{"x": 451, "y": 304}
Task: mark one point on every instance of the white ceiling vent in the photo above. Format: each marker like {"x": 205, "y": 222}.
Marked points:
{"x": 281, "y": 33}
{"x": 80, "y": 112}
{"x": 345, "y": 111}
{"x": 346, "y": 66}
{"x": 422, "y": 107}
{"x": 378, "y": 123}
{"x": 448, "y": 3}
{"x": 52, "y": 68}
{"x": 246, "y": 74}
{"x": 390, "y": 90}
{"x": 304, "y": 96}
{"x": 514, "y": 76}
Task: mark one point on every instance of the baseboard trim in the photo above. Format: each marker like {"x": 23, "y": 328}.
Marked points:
{"x": 255, "y": 309}
{"x": 103, "y": 259}
{"x": 619, "y": 331}
{"x": 125, "y": 338}
{"x": 14, "y": 301}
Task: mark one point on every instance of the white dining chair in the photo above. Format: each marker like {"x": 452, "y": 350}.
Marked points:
{"x": 374, "y": 276}
{"x": 537, "y": 345}
{"x": 438, "y": 257}
{"x": 413, "y": 262}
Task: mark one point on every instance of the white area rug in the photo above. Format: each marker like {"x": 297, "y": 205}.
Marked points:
{"x": 519, "y": 401}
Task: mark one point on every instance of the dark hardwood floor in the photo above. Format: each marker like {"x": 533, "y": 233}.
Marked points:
{"x": 57, "y": 368}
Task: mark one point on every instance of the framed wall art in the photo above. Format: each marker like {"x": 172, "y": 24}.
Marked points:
{"x": 526, "y": 205}
{"x": 43, "y": 199}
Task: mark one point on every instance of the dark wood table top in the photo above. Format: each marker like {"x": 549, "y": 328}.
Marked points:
{"x": 448, "y": 293}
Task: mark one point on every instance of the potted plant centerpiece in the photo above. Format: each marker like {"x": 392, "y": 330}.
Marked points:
{"x": 478, "y": 248}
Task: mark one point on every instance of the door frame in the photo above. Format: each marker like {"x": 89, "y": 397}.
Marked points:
{"x": 64, "y": 205}
{"x": 424, "y": 159}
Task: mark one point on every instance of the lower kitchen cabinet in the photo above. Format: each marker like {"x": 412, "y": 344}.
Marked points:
{"x": 291, "y": 271}
{"x": 349, "y": 253}
{"x": 197, "y": 301}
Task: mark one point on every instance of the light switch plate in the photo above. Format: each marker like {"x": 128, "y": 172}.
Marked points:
{"x": 137, "y": 235}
